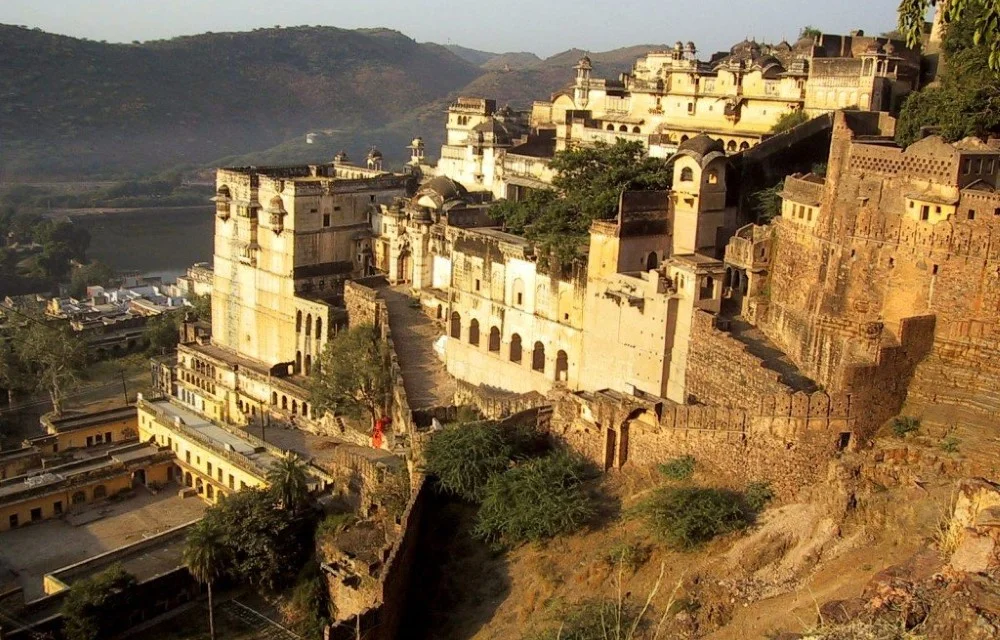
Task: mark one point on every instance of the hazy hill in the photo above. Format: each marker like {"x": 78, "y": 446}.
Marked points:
{"x": 74, "y": 105}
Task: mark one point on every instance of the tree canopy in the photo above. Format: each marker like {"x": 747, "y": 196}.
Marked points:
{"x": 289, "y": 482}
{"x": 93, "y": 609}
{"x": 53, "y": 357}
{"x": 789, "y": 120}
{"x": 352, "y": 377}
{"x": 966, "y": 102}
{"x": 587, "y": 186}
{"x": 983, "y": 17}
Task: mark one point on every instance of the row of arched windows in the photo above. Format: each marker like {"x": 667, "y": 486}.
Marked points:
{"x": 309, "y": 324}
{"x": 623, "y": 128}
{"x": 285, "y": 406}
{"x": 515, "y": 352}
{"x": 303, "y": 365}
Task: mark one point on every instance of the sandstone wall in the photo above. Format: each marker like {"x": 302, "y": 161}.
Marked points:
{"x": 722, "y": 372}
{"x": 784, "y": 438}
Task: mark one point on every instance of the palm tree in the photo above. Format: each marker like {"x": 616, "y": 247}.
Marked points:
{"x": 288, "y": 480}
{"x": 204, "y": 556}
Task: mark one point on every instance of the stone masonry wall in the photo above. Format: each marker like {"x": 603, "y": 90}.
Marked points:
{"x": 722, "y": 372}
{"x": 785, "y": 439}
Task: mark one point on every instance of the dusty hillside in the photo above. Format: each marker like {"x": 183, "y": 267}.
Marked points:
{"x": 866, "y": 541}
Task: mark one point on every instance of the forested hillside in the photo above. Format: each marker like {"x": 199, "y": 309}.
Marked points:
{"x": 78, "y": 108}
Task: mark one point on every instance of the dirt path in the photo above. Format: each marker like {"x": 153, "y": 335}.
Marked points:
{"x": 426, "y": 382}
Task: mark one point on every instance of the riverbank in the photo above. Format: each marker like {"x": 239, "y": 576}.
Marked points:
{"x": 113, "y": 211}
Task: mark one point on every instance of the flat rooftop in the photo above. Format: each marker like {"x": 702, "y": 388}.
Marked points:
{"x": 29, "y": 552}
{"x": 214, "y": 434}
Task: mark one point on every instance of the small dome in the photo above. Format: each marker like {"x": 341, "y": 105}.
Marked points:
{"x": 374, "y": 153}
{"x": 340, "y": 157}
{"x": 434, "y": 193}
{"x": 275, "y": 205}
{"x": 678, "y": 46}
{"x": 223, "y": 192}
{"x": 417, "y": 143}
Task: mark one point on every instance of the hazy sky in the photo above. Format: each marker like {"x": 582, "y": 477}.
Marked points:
{"x": 542, "y": 26}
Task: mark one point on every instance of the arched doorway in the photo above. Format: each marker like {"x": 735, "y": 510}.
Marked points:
{"x": 209, "y": 491}
{"x": 199, "y": 486}
{"x": 538, "y": 357}
{"x": 403, "y": 266}
{"x": 562, "y": 366}
{"x": 652, "y": 261}
{"x": 456, "y": 325}
{"x": 139, "y": 478}
{"x": 515, "y": 348}
{"x": 474, "y": 332}
{"x": 494, "y": 339}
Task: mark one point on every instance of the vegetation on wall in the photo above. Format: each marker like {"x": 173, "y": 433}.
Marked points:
{"x": 981, "y": 17}
{"x": 587, "y": 186}
{"x": 789, "y": 120}
{"x": 966, "y": 102}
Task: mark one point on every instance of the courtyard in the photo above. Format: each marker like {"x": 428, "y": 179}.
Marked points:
{"x": 28, "y": 553}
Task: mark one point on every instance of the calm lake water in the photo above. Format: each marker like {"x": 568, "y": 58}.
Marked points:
{"x": 163, "y": 242}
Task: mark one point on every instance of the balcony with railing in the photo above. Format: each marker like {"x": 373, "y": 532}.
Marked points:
{"x": 750, "y": 248}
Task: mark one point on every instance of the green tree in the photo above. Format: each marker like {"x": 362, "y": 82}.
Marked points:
{"x": 538, "y": 499}
{"x": 966, "y": 101}
{"x": 54, "y": 261}
{"x": 162, "y": 332}
{"x": 54, "y": 355}
{"x": 289, "y": 482}
{"x": 352, "y": 376}
{"x": 587, "y": 186}
{"x": 95, "y": 274}
{"x": 93, "y": 609}
{"x": 810, "y": 31}
{"x": 205, "y": 557}
{"x": 686, "y": 517}
{"x": 13, "y": 374}
{"x": 464, "y": 457}
{"x": 261, "y": 545}
{"x": 984, "y": 23}
{"x": 766, "y": 203}
{"x": 789, "y": 120}
{"x": 201, "y": 307}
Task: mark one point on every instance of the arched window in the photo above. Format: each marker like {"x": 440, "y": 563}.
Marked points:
{"x": 305, "y": 409}
{"x": 440, "y": 312}
{"x": 636, "y": 130}
{"x": 744, "y": 145}
{"x": 274, "y": 398}
{"x": 284, "y": 403}
{"x": 298, "y": 321}
{"x": 309, "y": 362}
{"x": 687, "y": 175}
{"x": 319, "y": 327}
{"x": 100, "y": 491}
{"x": 79, "y": 498}
{"x": 309, "y": 323}
{"x": 651, "y": 261}
{"x": 295, "y": 406}
{"x": 494, "y": 339}
{"x": 623, "y": 128}
{"x": 731, "y": 145}
{"x": 474, "y": 332}
{"x": 298, "y": 362}
{"x": 684, "y": 138}
{"x": 209, "y": 491}
{"x": 515, "y": 348}
{"x": 456, "y": 325}
{"x": 562, "y": 366}
{"x": 538, "y": 357}
{"x": 713, "y": 175}
{"x": 611, "y": 127}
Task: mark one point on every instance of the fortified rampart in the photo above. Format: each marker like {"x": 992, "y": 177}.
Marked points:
{"x": 782, "y": 439}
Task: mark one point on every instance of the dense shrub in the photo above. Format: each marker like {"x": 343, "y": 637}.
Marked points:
{"x": 758, "y": 494}
{"x": 678, "y": 468}
{"x": 537, "y": 499}
{"x": 593, "y": 620}
{"x": 464, "y": 457}
{"x": 902, "y": 425}
{"x": 686, "y": 517}
{"x": 630, "y": 556}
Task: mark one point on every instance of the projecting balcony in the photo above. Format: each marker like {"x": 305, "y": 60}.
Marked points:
{"x": 750, "y": 248}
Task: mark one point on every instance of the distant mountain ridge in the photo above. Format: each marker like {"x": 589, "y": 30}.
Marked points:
{"x": 77, "y": 107}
